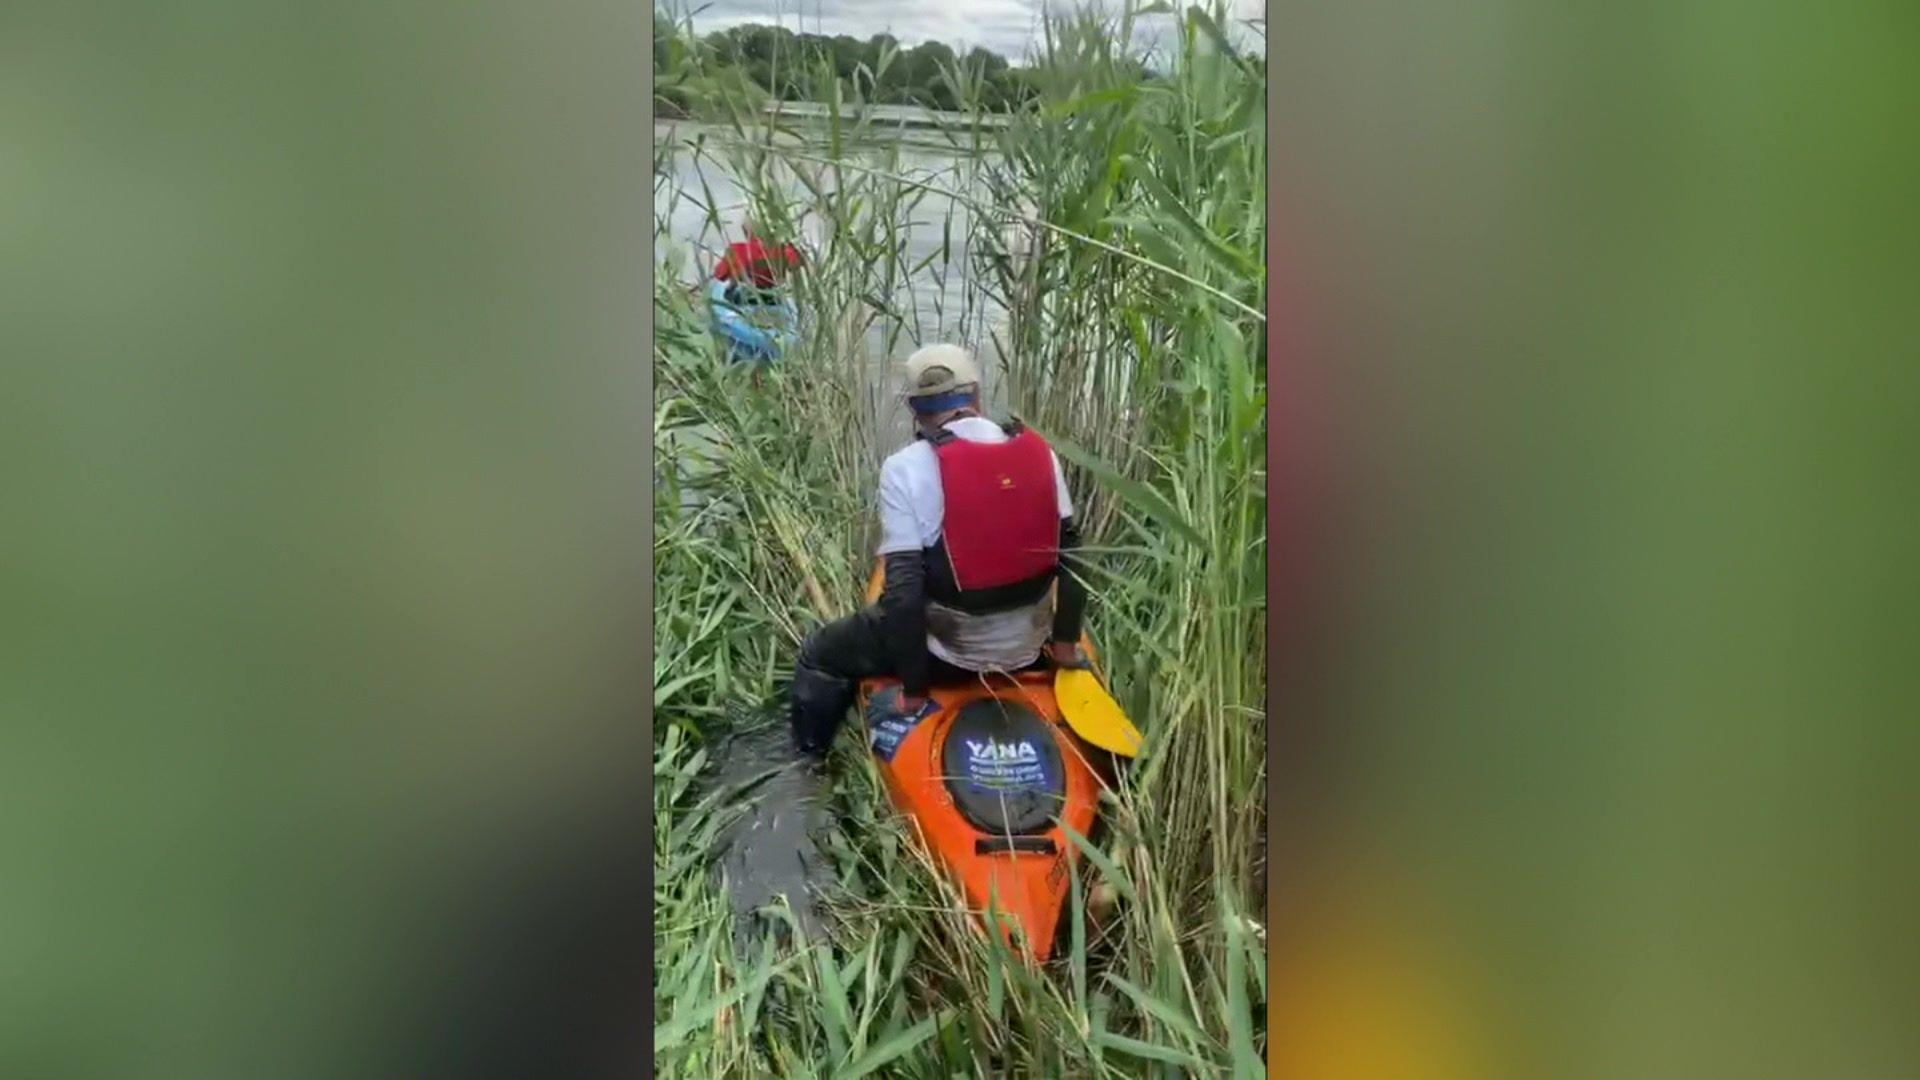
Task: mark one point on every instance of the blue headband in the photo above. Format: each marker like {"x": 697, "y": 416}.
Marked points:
{"x": 952, "y": 399}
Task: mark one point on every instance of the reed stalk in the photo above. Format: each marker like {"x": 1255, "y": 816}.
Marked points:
{"x": 1153, "y": 386}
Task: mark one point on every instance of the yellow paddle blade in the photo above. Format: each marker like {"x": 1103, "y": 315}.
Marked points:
{"x": 1093, "y": 714}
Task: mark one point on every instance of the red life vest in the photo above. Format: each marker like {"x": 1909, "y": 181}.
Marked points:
{"x": 999, "y": 544}
{"x": 754, "y": 261}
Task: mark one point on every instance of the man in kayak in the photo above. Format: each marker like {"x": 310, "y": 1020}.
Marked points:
{"x": 753, "y": 262}
{"x": 976, "y": 528}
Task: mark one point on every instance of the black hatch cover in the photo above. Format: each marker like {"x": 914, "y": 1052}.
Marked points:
{"x": 1002, "y": 765}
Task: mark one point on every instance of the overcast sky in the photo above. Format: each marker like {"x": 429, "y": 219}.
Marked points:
{"x": 1005, "y": 26}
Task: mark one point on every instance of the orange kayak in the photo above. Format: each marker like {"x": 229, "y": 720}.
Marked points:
{"x": 987, "y": 779}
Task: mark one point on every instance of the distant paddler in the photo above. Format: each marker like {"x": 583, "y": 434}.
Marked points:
{"x": 751, "y": 313}
{"x": 753, "y": 266}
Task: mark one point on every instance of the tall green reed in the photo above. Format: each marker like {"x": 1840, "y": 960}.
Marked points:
{"x": 1159, "y": 390}
{"x": 1155, "y": 389}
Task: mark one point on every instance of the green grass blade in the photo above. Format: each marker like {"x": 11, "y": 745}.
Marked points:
{"x": 1099, "y": 858}
{"x": 1159, "y": 1009}
{"x": 896, "y": 1047}
{"x": 838, "y": 1020}
{"x": 1152, "y": 1052}
{"x": 1148, "y": 501}
{"x": 1246, "y": 1059}
{"x": 671, "y": 1034}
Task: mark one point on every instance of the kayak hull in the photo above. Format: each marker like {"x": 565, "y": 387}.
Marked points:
{"x": 1019, "y": 868}
{"x": 746, "y": 338}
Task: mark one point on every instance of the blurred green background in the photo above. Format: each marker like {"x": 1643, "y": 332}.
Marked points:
{"x": 325, "y": 566}
{"x": 1603, "y": 402}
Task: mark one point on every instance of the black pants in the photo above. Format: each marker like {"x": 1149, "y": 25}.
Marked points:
{"x": 832, "y": 661}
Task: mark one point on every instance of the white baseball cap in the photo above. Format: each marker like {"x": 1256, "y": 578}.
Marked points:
{"x": 940, "y": 369}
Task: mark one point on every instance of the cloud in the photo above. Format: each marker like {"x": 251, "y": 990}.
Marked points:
{"x": 1008, "y": 27}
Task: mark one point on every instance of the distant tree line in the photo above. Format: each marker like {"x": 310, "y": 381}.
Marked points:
{"x": 781, "y": 63}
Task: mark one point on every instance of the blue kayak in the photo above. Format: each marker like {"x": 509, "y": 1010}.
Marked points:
{"x": 752, "y": 331}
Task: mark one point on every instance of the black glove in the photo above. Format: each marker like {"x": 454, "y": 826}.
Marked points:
{"x": 889, "y": 704}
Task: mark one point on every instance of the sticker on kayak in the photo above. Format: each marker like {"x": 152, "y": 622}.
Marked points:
{"x": 992, "y": 765}
{"x": 888, "y": 733}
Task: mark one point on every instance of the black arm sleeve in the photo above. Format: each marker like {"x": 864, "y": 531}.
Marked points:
{"x": 1071, "y": 606}
{"x": 903, "y": 607}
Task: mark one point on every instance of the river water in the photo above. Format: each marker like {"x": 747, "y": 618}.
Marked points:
{"x": 934, "y": 301}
